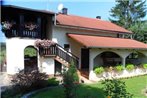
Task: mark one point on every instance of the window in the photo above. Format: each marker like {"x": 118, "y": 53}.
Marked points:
{"x": 66, "y": 47}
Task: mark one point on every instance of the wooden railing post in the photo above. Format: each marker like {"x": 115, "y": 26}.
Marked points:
{"x": 21, "y": 25}
{"x": 39, "y": 27}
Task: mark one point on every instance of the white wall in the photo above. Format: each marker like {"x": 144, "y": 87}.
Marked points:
{"x": 59, "y": 34}
{"x": 15, "y": 53}
{"x": 47, "y": 65}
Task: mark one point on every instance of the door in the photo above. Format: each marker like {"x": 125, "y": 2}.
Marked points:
{"x": 58, "y": 68}
{"x": 84, "y": 58}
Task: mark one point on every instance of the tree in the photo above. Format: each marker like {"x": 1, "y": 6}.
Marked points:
{"x": 115, "y": 89}
{"x": 140, "y": 31}
{"x": 128, "y": 12}
{"x": 70, "y": 80}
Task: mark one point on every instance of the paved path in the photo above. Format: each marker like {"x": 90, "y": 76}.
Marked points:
{"x": 4, "y": 81}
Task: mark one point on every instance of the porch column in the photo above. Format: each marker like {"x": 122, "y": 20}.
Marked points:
{"x": 124, "y": 61}
{"x": 91, "y": 73}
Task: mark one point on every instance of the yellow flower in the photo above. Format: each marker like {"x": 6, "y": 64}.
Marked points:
{"x": 108, "y": 96}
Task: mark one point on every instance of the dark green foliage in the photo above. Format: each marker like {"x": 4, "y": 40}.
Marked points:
{"x": 70, "y": 79}
{"x": 115, "y": 89}
{"x": 2, "y": 52}
{"x": 129, "y": 14}
{"x": 139, "y": 30}
{"x": 52, "y": 82}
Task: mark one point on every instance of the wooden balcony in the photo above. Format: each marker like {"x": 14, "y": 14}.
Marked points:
{"x": 23, "y": 33}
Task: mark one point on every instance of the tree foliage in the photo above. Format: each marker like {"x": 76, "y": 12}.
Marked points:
{"x": 30, "y": 51}
{"x": 70, "y": 79}
{"x": 139, "y": 30}
{"x": 2, "y": 52}
{"x": 115, "y": 89}
{"x": 129, "y": 14}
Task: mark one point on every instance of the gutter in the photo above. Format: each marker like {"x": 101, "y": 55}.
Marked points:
{"x": 117, "y": 48}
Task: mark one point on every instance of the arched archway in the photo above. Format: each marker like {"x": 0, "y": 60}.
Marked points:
{"x": 107, "y": 58}
{"x": 30, "y": 59}
{"x": 136, "y": 58}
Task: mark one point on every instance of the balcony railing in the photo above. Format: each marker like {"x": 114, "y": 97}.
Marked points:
{"x": 22, "y": 33}
{"x": 57, "y": 50}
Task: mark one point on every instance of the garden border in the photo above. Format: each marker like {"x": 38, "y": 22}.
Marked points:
{"x": 33, "y": 92}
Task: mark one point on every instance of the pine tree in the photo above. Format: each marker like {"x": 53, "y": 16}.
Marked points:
{"x": 127, "y": 12}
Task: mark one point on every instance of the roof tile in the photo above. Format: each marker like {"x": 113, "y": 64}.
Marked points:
{"x": 91, "y": 23}
{"x": 107, "y": 42}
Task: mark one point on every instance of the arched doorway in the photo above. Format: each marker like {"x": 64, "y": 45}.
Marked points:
{"x": 107, "y": 59}
{"x": 30, "y": 59}
{"x": 136, "y": 58}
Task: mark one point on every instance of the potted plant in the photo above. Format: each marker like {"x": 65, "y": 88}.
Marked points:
{"x": 30, "y": 26}
{"x": 6, "y": 27}
{"x": 119, "y": 69}
{"x": 130, "y": 67}
{"x": 145, "y": 67}
{"x": 98, "y": 71}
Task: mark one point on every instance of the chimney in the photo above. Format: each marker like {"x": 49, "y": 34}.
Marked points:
{"x": 64, "y": 11}
{"x": 98, "y": 17}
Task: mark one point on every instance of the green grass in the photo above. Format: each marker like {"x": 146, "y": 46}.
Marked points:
{"x": 134, "y": 86}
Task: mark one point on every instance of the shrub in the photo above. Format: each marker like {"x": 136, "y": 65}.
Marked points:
{"x": 70, "y": 78}
{"x": 129, "y": 67}
{"x": 25, "y": 82}
{"x": 98, "y": 70}
{"x": 115, "y": 89}
{"x": 52, "y": 82}
{"x": 145, "y": 66}
{"x": 30, "y": 80}
{"x": 119, "y": 68}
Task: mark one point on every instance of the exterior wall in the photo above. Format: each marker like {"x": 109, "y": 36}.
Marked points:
{"x": 15, "y": 53}
{"x": 60, "y": 34}
{"x": 47, "y": 65}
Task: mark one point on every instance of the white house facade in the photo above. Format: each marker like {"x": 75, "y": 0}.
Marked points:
{"x": 63, "y": 39}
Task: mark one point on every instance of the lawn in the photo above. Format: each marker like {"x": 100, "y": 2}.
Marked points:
{"x": 134, "y": 85}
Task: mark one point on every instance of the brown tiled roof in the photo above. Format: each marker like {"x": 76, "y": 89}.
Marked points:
{"x": 107, "y": 42}
{"x": 90, "y": 23}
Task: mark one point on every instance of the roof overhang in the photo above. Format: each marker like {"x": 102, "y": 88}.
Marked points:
{"x": 91, "y": 29}
{"x": 27, "y": 9}
{"x": 108, "y": 42}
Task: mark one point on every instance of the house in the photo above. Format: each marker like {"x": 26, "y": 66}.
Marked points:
{"x": 60, "y": 39}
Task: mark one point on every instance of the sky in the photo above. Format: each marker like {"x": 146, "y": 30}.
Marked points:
{"x": 87, "y": 8}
